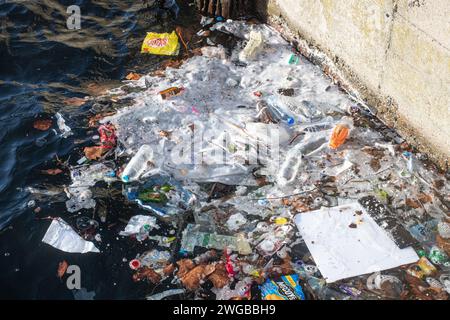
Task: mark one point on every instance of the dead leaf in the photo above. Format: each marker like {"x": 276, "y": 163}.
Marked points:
{"x": 75, "y": 102}
{"x": 192, "y": 279}
{"x": 284, "y": 268}
{"x": 184, "y": 266}
{"x": 169, "y": 269}
{"x": 165, "y": 134}
{"x": 147, "y": 273}
{"x": 425, "y": 198}
{"x": 159, "y": 73}
{"x": 42, "y": 125}
{"x": 197, "y": 52}
{"x": 219, "y": 277}
{"x": 133, "y": 76}
{"x": 94, "y": 120}
{"x": 94, "y": 153}
{"x": 412, "y": 203}
{"x": 52, "y": 172}
{"x": 444, "y": 244}
{"x": 439, "y": 184}
{"x": 62, "y": 268}
{"x": 209, "y": 269}
{"x": 175, "y": 64}
{"x": 375, "y": 164}
{"x": 96, "y": 89}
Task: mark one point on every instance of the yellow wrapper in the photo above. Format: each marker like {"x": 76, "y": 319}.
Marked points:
{"x": 165, "y": 44}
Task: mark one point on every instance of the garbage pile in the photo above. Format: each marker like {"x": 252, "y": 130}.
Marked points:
{"x": 275, "y": 184}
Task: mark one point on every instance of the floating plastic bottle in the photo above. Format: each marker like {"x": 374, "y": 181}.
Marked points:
{"x": 278, "y": 112}
{"x": 140, "y": 163}
{"x": 289, "y": 169}
{"x": 340, "y": 133}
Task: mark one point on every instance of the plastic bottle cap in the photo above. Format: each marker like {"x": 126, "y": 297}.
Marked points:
{"x": 126, "y": 178}
{"x": 290, "y": 121}
{"x": 135, "y": 264}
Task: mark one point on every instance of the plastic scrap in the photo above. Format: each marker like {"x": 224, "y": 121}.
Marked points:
{"x": 255, "y": 43}
{"x": 165, "y": 294}
{"x": 161, "y": 44}
{"x": 61, "y": 236}
{"x": 137, "y": 222}
{"x": 193, "y": 238}
{"x": 65, "y": 129}
{"x": 285, "y": 288}
{"x": 341, "y": 252}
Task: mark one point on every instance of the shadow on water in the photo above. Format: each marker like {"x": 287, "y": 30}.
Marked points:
{"x": 42, "y": 63}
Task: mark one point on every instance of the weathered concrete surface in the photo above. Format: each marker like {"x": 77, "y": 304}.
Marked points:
{"x": 394, "y": 53}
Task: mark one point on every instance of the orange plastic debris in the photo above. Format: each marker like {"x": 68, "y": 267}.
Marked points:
{"x": 340, "y": 134}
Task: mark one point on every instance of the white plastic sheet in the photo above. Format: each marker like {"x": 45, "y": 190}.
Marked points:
{"x": 61, "y": 236}
{"x": 341, "y": 251}
{"x": 136, "y": 223}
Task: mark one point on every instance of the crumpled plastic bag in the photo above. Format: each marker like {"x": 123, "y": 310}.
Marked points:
{"x": 165, "y": 44}
{"x": 61, "y": 236}
{"x": 136, "y": 223}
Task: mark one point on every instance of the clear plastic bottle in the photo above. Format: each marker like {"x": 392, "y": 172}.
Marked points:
{"x": 278, "y": 112}
{"x": 140, "y": 163}
{"x": 291, "y": 165}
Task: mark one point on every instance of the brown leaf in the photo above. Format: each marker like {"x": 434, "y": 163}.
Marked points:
{"x": 165, "y": 134}
{"x": 133, "y": 76}
{"x": 197, "y": 52}
{"x": 184, "y": 266}
{"x": 175, "y": 64}
{"x": 219, "y": 277}
{"x": 94, "y": 153}
{"x": 439, "y": 184}
{"x": 93, "y": 121}
{"x": 192, "y": 279}
{"x": 169, "y": 269}
{"x": 209, "y": 269}
{"x": 62, "y": 268}
{"x": 42, "y": 125}
{"x": 375, "y": 164}
{"x": 52, "y": 172}
{"x": 444, "y": 244}
{"x": 97, "y": 89}
{"x": 425, "y": 198}
{"x": 76, "y": 102}
{"x": 159, "y": 73}
{"x": 412, "y": 203}
{"x": 147, "y": 273}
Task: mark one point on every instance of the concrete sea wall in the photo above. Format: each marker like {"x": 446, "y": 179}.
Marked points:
{"x": 393, "y": 54}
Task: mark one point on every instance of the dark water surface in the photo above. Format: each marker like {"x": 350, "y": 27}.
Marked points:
{"x": 42, "y": 63}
